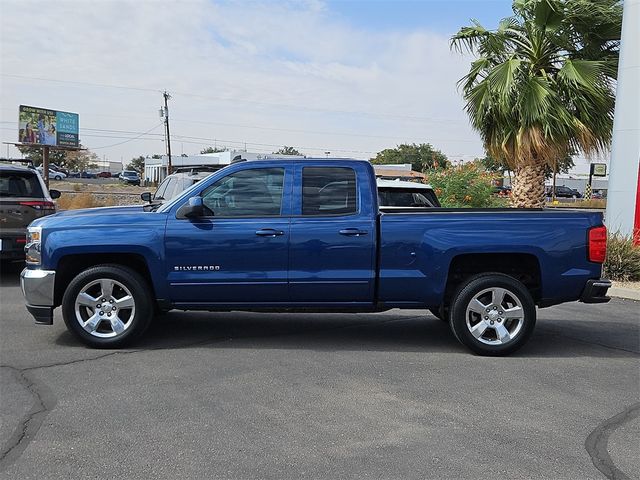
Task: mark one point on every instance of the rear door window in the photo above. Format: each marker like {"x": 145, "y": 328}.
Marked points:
{"x": 19, "y": 184}
{"x": 328, "y": 191}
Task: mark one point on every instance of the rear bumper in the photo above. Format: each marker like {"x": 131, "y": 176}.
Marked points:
{"x": 12, "y": 245}
{"x": 37, "y": 288}
{"x": 595, "y": 291}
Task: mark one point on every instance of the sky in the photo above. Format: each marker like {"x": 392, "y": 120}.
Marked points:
{"x": 350, "y": 77}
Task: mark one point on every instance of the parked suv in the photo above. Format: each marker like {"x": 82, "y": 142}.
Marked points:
{"x": 130, "y": 177}
{"x": 23, "y": 198}
{"x": 401, "y": 194}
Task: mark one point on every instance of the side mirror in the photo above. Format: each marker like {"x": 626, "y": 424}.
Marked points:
{"x": 192, "y": 209}
{"x": 54, "y": 194}
{"x": 146, "y": 197}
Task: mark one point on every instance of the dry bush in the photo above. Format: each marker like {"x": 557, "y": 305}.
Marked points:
{"x": 623, "y": 259}
{"x": 81, "y": 200}
{"x": 599, "y": 203}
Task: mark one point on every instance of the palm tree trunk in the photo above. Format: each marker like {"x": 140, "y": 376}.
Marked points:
{"x": 528, "y": 187}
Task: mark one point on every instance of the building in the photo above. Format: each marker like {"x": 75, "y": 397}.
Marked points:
{"x": 400, "y": 171}
{"x": 108, "y": 166}
{"x": 155, "y": 169}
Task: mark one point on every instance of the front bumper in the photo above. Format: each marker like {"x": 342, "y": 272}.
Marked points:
{"x": 37, "y": 288}
{"x": 595, "y": 291}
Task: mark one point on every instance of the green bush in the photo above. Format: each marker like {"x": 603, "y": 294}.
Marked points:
{"x": 467, "y": 185}
{"x": 623, "y": 259}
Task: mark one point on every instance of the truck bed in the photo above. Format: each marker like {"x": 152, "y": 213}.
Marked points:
{"x": 423, "y": 244}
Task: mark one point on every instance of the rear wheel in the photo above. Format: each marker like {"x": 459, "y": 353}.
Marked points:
{"x": 107, "y": 306}
{"x": 493, "y": 314}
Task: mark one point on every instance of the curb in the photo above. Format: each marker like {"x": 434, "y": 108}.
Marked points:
{"x": 627, "y": 293}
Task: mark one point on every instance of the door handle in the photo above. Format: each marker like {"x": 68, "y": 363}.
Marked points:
{"x": 269, "y": 232}
{"x": 353, "y": 232}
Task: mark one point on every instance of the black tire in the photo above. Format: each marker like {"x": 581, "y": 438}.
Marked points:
{"x": 139, "y": 317}
{"x": 494, "y": 342}
{"x": 57, "y": 177}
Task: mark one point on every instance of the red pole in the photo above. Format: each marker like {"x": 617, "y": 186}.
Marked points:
{"x": 636, "y": 224}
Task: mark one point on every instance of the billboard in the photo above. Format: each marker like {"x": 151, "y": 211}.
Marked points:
{"x": 42, "y": 126}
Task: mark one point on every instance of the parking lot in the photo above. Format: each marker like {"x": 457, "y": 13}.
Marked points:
{"x": 388, "y": 395}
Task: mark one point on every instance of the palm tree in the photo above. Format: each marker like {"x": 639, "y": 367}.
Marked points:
{"x": 542, "y": 86}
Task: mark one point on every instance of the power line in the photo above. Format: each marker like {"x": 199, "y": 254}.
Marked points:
{"x": 315, "y": 132}
{"x": 204, "y": 141}
{"x": 242, "y": 100}
{"x": 127, "y": 141}
{"x": 75, "y": 82}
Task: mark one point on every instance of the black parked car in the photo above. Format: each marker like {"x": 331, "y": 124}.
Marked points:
{"x": 564, "y": 192}
{"x": 130, "y": 177}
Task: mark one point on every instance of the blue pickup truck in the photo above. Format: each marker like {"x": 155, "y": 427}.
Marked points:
{"x": 308, "y": 234}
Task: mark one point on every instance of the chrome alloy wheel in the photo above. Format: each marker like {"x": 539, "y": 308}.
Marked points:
{"x": 495, "y": 316}
{"x": 105, "y": 308}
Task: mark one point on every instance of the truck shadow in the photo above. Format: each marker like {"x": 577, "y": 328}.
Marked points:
{"x": 371, "y": 332}
{"x": 10, "y": 273}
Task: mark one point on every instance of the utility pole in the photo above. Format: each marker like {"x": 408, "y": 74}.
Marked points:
{"x": 45, "y": 164}
{"x": 166, "y": 126}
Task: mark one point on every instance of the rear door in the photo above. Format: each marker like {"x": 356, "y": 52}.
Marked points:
{"x": 238, "y": 252}
{"x": 333, "y": 234}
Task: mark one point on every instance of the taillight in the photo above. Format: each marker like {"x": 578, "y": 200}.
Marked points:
{"x": 597, "y": 244}
{"x": 40, "y": 205}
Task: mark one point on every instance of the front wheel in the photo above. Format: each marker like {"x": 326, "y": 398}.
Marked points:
{"x": 57, "y": 177}
{"x": 107, "y": 306}
{"x": 493, "y": 314}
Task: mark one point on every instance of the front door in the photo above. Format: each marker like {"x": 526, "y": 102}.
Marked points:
{"x": 238, "y": 252}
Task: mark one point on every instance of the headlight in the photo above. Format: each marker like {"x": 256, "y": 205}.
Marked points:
{"x": 32, "y": 248}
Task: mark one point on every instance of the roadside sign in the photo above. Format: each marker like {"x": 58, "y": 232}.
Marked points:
{"x": 599, "y": 169}
{"x": 42, "y": 126}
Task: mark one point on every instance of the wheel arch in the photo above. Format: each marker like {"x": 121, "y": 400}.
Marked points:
{"x": 524, "y": 267}
{"x": 69, "y": 266}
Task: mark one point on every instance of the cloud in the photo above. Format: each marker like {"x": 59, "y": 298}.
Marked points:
{"x": 262, "y": 72}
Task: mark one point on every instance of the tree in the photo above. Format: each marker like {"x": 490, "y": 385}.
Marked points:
{"x": 35, "y": 155}
{"x": 73, "y": 160}
{"x": 80, "y": 160}
{"x": 562, "y": 166}
{"x": 136, "y": 164}
{"x": 287, "y": 151}
{"x": 213, "y": 150}
{"x": 465, "y": 185}
{"x": 542, "y": 86}
{"x": 421, "y": 157}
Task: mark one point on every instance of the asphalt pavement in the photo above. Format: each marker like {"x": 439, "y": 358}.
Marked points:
{"x": 290, "y": 396}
